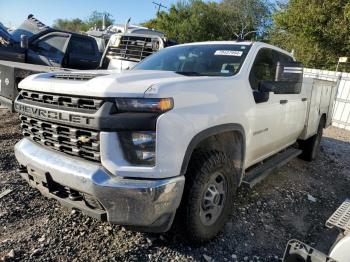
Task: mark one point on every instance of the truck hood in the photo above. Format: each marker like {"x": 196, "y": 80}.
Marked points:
{"x": 103, "y": 83}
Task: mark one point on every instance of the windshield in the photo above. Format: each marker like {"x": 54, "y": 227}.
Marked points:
{"x": 201, "y": 60}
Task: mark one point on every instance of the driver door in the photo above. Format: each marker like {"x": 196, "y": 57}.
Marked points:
{"x": 266, "y": 118}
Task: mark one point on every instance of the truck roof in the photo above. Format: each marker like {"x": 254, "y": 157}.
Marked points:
{"x": 247, "y": 43}
{"x": 221, "y": 43}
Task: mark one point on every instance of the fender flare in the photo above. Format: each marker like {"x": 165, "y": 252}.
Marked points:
{"x": 214, "y": 130}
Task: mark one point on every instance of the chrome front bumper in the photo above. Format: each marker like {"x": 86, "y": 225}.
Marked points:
{"x": 147, "y": 205}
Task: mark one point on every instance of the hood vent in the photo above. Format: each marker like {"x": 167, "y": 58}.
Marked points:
{"x": 73, "y": 76}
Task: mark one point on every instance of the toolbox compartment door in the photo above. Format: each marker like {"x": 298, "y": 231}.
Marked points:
{"x": 320, "y": 95}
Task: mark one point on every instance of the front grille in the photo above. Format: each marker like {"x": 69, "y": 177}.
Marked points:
{"x": 92, "y": 104}
{"x": 70, "y": 140}
{"x": 133, "y": 48}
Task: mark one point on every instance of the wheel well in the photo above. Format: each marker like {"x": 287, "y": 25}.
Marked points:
{"x": 229, "y": 142}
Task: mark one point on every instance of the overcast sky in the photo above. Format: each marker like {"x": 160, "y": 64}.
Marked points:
{"x": 14, "y": 12}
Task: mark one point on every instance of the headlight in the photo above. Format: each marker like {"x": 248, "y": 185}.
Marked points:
{"x": 150, "y": 105}
{"x": 139, "y": 147}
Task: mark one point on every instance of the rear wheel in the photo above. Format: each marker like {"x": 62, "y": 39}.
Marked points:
{"x": 211, "y": 182}
{"x": 311, "y": 146}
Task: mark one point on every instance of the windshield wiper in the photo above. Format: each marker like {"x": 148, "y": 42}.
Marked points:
{"x": 188, "y": 73}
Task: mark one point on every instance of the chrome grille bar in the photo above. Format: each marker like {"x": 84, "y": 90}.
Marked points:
{"x": 73, "y": 141}
{"x": 92, "y": 104}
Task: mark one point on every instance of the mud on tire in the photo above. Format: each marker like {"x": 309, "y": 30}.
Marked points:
{"x": 211, "y": 182}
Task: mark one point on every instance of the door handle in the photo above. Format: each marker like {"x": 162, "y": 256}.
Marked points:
{"x": 304, "y": 99}
{"x": 283, "y": 102}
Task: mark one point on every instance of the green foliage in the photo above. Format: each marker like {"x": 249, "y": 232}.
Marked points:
{"x": 195, "y": 20}
{"x": 317, "y": 30}
{"x": 73, "y": 25}
{"x": 78, "y": 25}
{"x": 244, "y": 16}
{"x": 95, "y": 19}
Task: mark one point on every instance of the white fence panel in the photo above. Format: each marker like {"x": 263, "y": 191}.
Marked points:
{"x": 341, "y": 113}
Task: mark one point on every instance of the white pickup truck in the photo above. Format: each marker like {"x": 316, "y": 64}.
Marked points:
{"x": 176, "y": 135}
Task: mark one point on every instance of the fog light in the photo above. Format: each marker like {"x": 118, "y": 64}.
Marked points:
{"x": 139, "y": 147}
{"x": 145, "y": 155}
{"x": 143, "y": 138}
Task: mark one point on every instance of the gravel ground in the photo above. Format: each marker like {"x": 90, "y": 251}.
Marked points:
{"x": 264, "y": 218}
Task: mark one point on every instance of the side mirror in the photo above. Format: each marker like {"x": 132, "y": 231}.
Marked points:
{"x": 289, "y": 72}
{"x": 262, "y": 94}
{"x": 261, "y": 97}
{"x": 266, "y": 86}
{"x": 24, "y": 41}
{"x": 288, "y": 79}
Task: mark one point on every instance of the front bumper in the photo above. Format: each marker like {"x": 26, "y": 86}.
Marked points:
{"x": 147, "y": 205}
{"x": 6, "y": 103}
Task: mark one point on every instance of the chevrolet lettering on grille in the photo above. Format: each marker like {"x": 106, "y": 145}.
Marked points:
{"x": 53, "y": 115}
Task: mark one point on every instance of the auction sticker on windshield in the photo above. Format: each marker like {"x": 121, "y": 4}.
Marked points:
{"x": 228, "y": 52}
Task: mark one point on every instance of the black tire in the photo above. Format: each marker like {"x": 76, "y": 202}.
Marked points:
{"x": 311, "y": 146}
{"x": 197, "y": 225}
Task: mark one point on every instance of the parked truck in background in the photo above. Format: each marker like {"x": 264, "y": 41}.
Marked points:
{"x": 34, "y": 48}
{"x": 172, "y": 138}
{"x": 102, "y": 35}
{"x": 127, "y": 48}
{"x": 127, "y": 45}
{"x": 35, "y": 43}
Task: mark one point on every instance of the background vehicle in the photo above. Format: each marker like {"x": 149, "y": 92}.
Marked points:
{"x": 102, "y": 35}
{"x": 35, "y": 43}
{"x": 11, "y": 73}
{"x": 127, "y": 45}
{"x": 177, "y": 134}
{"x": 34, "y": 48}
{"x": 126, "y": 49}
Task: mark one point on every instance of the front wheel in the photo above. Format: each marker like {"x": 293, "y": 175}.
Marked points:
{"x": 211, "y": 182}
{"x": 311, "y": 147}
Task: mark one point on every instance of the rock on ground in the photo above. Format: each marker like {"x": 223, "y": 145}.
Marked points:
{"x": 264, "y": 219}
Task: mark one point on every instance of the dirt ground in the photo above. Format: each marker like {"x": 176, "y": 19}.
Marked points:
{"x": 264, "y": 218}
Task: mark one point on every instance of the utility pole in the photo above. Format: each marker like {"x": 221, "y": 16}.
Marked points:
{"x": 159, "y": 6}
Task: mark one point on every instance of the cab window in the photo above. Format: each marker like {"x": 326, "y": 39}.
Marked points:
{"x": 81, "y": 46}
{"x": 268, "y": 70}
{"x": 54, "y": 44}
{"x": 263, "y": 69}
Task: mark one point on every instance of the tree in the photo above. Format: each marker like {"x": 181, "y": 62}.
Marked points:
{"x": 245, "y": 18}
{"x": 318, "y": 31}
{"x": 78, "y": 25}
{"x": 96, "y": 18}
{"x": 195, "y": 20}
{"x": 73, "y": 25}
